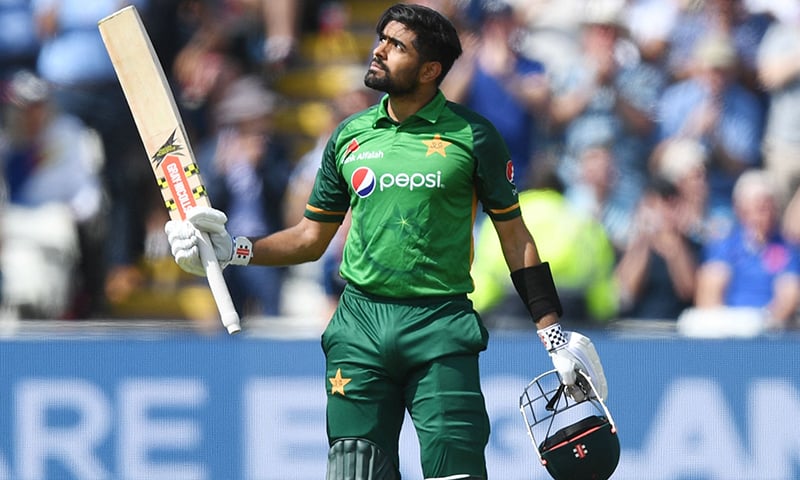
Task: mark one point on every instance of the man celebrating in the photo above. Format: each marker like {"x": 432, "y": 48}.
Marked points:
{"x": 404, "y": 335}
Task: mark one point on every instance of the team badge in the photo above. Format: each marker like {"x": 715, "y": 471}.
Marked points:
{"x": 363, "y": 181}
{"x": 437, "y": 145}
{"x": 338, "y": 383}
{"x": 510, "y": 171}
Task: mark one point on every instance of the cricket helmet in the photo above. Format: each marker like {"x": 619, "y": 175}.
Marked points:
{"x": 577, "y": 440}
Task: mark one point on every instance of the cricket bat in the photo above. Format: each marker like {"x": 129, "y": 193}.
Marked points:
{"x": 164, "y": 136}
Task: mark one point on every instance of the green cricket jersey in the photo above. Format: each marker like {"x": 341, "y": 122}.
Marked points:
{"x": 413, "y": 188}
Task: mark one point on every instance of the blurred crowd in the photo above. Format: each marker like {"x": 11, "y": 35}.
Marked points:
{"x": 655, "y": 144}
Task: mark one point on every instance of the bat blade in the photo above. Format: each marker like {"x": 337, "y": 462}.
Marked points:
{"x": 163, "y": 134}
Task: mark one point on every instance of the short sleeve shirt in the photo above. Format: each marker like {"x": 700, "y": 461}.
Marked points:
{"x": 753, "y": 268}
{"x": 413, "y": 188}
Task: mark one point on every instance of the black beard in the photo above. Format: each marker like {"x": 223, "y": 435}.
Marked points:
{"x": 381, "y": 84}
{"x": 387, "y": 85}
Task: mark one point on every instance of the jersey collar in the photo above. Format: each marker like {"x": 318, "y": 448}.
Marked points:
{"x": 430, "y": 112}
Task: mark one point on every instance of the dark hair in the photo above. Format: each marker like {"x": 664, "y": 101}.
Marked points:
{"x": 437, "y": 39}
{"x": 662, "y": 187}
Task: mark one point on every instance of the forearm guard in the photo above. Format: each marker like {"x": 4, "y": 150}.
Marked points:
{"x": 536, "y": 288}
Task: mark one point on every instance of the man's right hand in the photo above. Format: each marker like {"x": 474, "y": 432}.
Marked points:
{"x": 571, "y": 353}
{"x": 184, "y": 238}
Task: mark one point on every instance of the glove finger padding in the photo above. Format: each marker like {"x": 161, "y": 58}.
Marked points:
{"x": 207, "y": 219}
{"x": 579, "y": 354}
{"x": 566, "y": 365}
{"x": 583, "y": 349}
{"x": 212, "y": 222}
{"x": 183, "y": 242}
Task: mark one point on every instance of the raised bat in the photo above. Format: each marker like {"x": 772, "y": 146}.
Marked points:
{"x": 164, "y": 136}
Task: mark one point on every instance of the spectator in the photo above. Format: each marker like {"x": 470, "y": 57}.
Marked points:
{"x": 281, "y": 24}
{"x": 779, "y": 72}
{"x": 50, "y": 164}
{"x": 727, "y": 18}
{"x": 650, "y": 24}
{"x": 608, "y": 97}
{"x": 682, "y": 163}
{"x": 550, "y": 30}
{"x": 336, "y": 41}
{"x": 246, "y": 169}
{"x": 495, "y": 80}
{"x": 215, "y": 53}
{"x": 657, "y": 269}
{"x": 74, "y": 60}
{"x": 691, "y": 23}
{"x": 591, "y": 192}
{"x": 19, "y": 44}
{"x": 553, "y": 14}
{"x": 754, "y": 266}
{"x": 271, "y": 29}
{"x": 576, "y": 246}
{"x": 714, "y": 109}
{"x": 746, "y": 30}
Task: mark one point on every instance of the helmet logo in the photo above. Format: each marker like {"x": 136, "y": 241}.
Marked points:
{"x": 580, "y": 450}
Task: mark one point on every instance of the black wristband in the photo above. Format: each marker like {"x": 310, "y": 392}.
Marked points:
{"x": 536, "y": 288}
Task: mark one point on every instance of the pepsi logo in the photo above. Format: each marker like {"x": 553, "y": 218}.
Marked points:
{"x": 363, "y": 181}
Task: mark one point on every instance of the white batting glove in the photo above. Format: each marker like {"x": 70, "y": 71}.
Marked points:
{"x": 572, "y": 352}
{"x": 184, "y": 238}
{"x": 183, "y": 242}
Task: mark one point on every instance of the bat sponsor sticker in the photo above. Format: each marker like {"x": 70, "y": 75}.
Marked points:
{"x": 178, "y": 184}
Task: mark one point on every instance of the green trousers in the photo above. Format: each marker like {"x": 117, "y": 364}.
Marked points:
{"x": 385, "y": 356}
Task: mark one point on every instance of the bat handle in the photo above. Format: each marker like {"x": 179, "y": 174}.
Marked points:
{"x": 227, "y": 312}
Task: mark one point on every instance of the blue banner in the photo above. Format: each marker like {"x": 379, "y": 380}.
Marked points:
{"x": 227, "y": 408}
